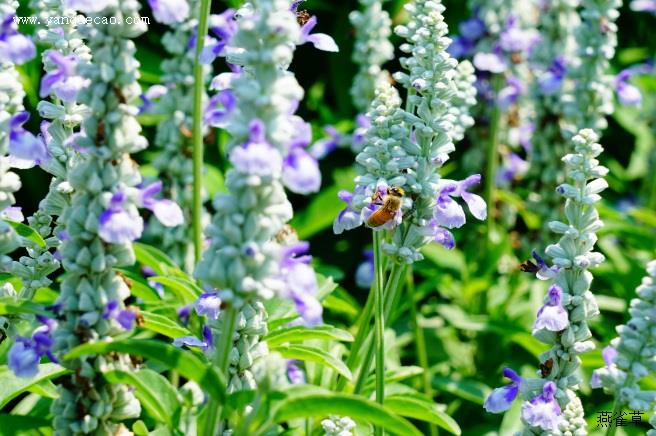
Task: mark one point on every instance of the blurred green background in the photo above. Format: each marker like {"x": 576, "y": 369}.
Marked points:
{"x": 476, "y": 307}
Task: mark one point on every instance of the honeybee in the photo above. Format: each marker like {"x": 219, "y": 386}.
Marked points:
{"x": 391, "y": 204}
{"x": 546, "y": 367}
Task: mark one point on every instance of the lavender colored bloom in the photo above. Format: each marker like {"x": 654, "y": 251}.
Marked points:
{"x": 364, "y": 275}
{"x": 323, "y": 147}
{"x": 513, "y": 167}
{"x": 609, "y": 353}
{"x": 552, "y": 315}
{"x": 189, "y": 341}
{"x": 12, "y": 213}
{"x": 118, "y": 225}
{"x": 222, "y": 28}
{"x": 256, "y": 156}
{"x": 472, "y": 28}
{"x": 320, "y": 41}
{"x": 491, "y": 62}
{"x": 63, "y": 80}
{"x": 347, "y": 219}
{"x": 525, "y": 136}
{"x": 551, "y": 81}
{"x": 460, "y": 47}
{"x": 208, "y": 337}
{"x": 23, "y": 358}
{"x": 516, "y": 40}
{"x": 510, "y": 93}
{"x": 125, "y": 318}
{"x": 501, "y": 398}
{"x": 643, "y": 6}
{"x": 362, "y": 124}
{"x": 544, "y": 272}
{"x": 295, "y": 374}
{"x": 14, "y": 46}
{"x": 627, "y": 94}
{"x": 543, "y": 411}
{"x": 301, "y": 172}
{"x": 87, "y": 6}
{"x": 220, "y": 108}
{"x": 169, "y": 11}
{"x": 166, "y": 211}
{"x": 208, "y": 304}
{"x": 301, "y": 282}
{"x": 25, "y": 149}
{"x": 448, "y": 213}
{"x": 184, "y": 313}
{"x": 153, "y": 93}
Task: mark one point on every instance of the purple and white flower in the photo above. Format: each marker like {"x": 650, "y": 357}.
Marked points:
{"x": 491, "y": 62}
{"x": 348, "y": 218}
{"x": 513, "y": 167}
{"x": 509, "y": 94}
{"x": 166, "y": 211}
{"x": 543, "y": 411}
{"x": 118, "y": 225}
{"x": 515, "y": 40}
{"x": 301, "y": 282}
{"x": 448, "y": 213}
{"x": 125, "y": 318}
{"x": 220, "y": 108}
{"x": 627, "y": 94}
{"x": 552, "y": 315}
{"x": 609, "y": 353}
{"x": 357, "y": 139}
{"x": 551, "y": 80}
{"x": 301, "y": 172}
{"x": 209, "y": 305}
{"x": 14, "y": 46}
{"x": 25, "y": 149}
{"x": 321, "y": 41}
{"x": 63, "y": 81}
{"x": 169, "y": 11}
{"x": 544, "y": 272}
{"x": 256, "y": 156}
{"x": 323, "y": 147}
{"x": 25, "y": 354}
{"x": 501, "y": 398}
{"x": 643, "y": 6}
{"x": 222, "y": 27}
{"x": 153, "y": 93}
{"x": 295, "y": 374}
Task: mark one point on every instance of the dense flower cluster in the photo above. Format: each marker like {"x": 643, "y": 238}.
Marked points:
{"x": 15, "y": 49}
{"x": 100, "y": 223}
{"x": 253, "y": 255}
{"x": 404, "y": 148}
{"x": 632, "y": 355}
{"x": 562, "y": 320}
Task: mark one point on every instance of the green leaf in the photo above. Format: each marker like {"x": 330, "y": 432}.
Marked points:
{"x": 469, "y": 390}
{"x": 186, "y": 363}
{"x": 45, "y": 389}
{"x": 357, "y": 408}
{"x": 302, "y": 333}
{"x": 157, "y": 260}
{"x": 213, "y": 181}
{"x": 14, "y": 306}
{"x": 139, "y": 286}
{"x": 15, "y": 425}
{"x": 12, "y": 386}
{"x": 411, "y": 407}
{"x": 313, "y": 354}
{"x": 186, "y": 290}
{"x": 153, "y": 391}
{"x": 393, "y": 376}
{"x": 26, "y": 232}
{"x": 163, "y": 325}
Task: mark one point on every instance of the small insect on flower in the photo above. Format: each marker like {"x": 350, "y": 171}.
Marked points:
{"x": 546, "y": 367}
{"x": 529, "y": 267}
{"x": 391, "y": 205}
{"x": 302, "y": 17}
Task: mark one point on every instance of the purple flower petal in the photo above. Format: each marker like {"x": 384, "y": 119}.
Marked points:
{"x": 301, "y": 172}
{"x": 120, "y": 226}
{"x": 169, "y": 11}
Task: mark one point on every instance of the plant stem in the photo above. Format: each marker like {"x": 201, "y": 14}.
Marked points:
{"x": 491, "y": 159}
{"x": 617, "y": 406}
{"x": 197, "y": 140}
{"x": 392, "y": 289}
{"x": 420, "y": 341}
{"x": 379, "y": 323}
{"x": 221, "y": 360}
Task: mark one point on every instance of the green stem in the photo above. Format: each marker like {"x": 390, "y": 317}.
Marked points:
{"x": 491, "y": 159}
{"x": 379, "y": 323}
{"x": 221, "y": 359}
{"x": 392, "y": 289}
{"x": 420, "y": 341}
{"x": 616, "y": 410}
{"x": 199, "y": 87}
